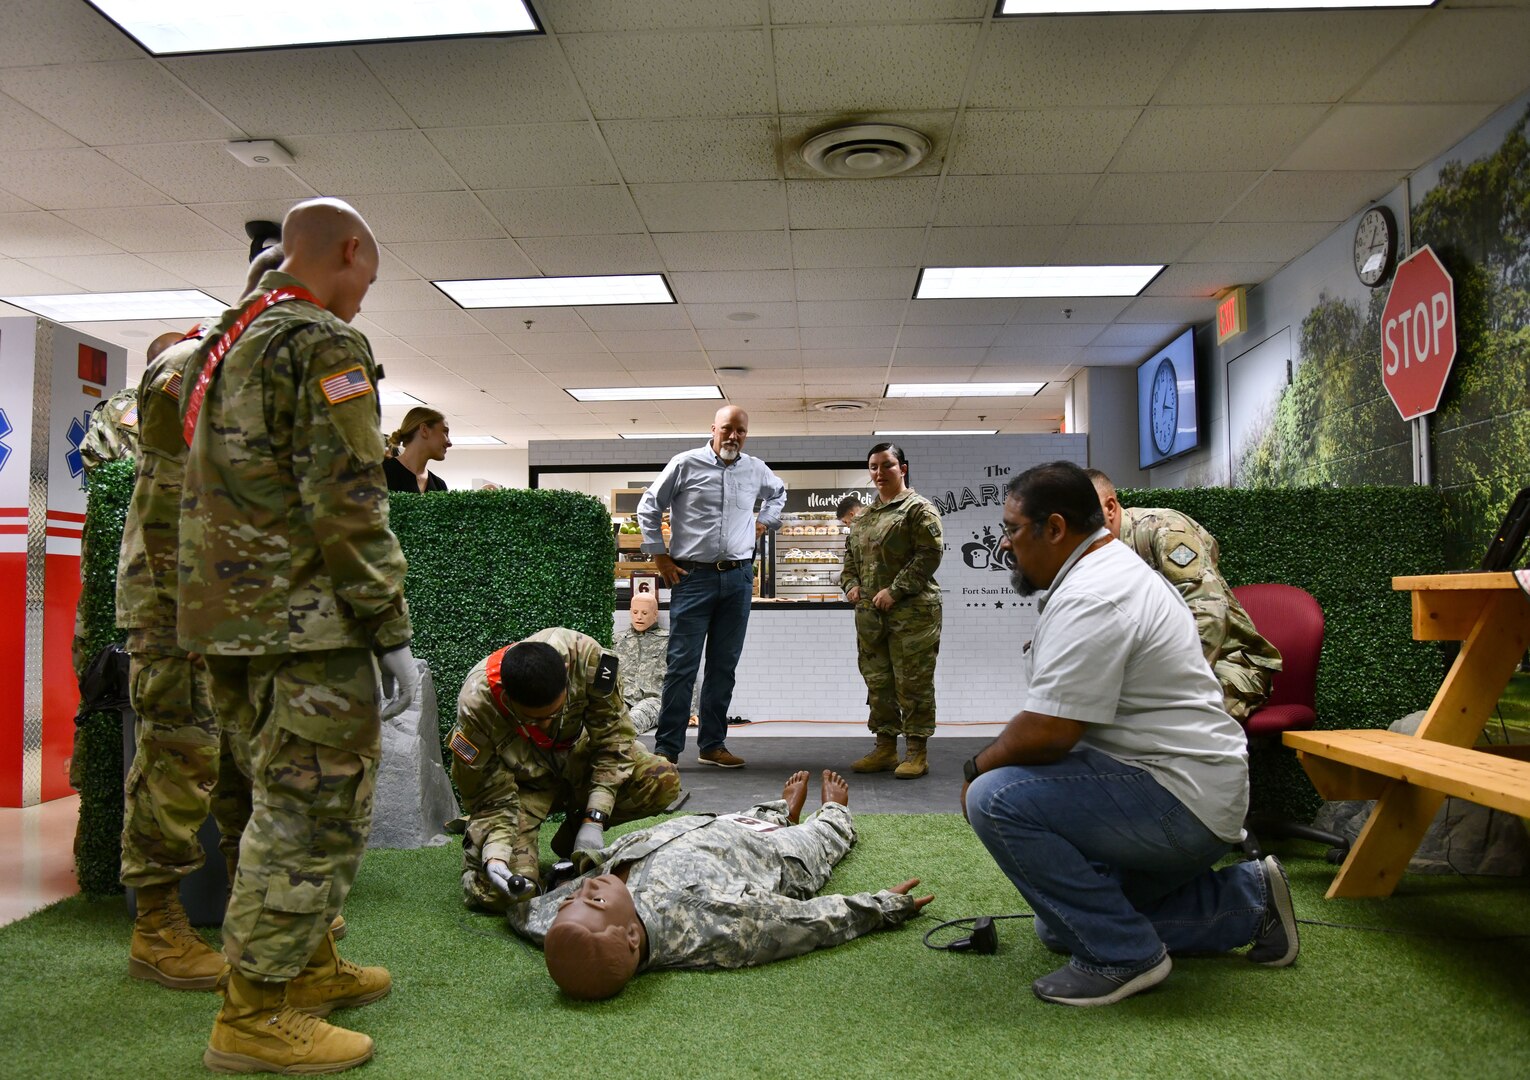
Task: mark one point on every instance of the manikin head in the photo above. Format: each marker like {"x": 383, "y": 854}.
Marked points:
{"x": 596, "y": 940}
{"x": 730, "y": 427}
{"x": 1108, "y": 501}
{"x": 1048, "y": 511}
{"x": 645, "y": 611}
{"x": 332, "y": 251}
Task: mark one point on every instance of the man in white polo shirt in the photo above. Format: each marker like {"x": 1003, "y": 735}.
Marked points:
{"x": 1110, "y": 797}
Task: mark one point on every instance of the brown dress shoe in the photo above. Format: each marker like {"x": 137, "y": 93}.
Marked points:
{"x": 721, "y": 758}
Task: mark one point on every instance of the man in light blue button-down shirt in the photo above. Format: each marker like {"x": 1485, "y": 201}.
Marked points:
{"x": 708, "y": 564}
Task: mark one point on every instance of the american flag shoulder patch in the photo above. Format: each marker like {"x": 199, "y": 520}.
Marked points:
{"x": 172, "y": 385}
{"x": 462, "y": 747}
{"x": 344, "y": 385}
{"x": 130, "y": 418}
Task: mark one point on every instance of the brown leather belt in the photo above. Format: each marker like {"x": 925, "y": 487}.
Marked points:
{"x": 718, "y": 565}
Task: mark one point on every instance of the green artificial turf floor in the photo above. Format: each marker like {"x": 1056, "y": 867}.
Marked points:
{"x": 469, "y": 1000}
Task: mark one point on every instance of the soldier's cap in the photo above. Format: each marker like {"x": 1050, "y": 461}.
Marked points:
{"x": 589, "y": 965}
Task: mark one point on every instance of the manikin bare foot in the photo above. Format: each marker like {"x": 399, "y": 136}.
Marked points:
{"x": 835, "y": 789}
{"x": 795, "y": 794}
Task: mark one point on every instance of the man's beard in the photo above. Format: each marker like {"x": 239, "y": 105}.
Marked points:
{"x": 1022, "y": 584}
{"x": 727, "y": 453}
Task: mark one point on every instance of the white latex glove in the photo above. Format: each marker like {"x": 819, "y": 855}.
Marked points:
{"x": 590, "y": 837}
{"x": 400, "y": 677}
{"x": 515, "y": 886}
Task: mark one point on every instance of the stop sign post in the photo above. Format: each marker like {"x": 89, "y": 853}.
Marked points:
{"x": 1418, "y": 334}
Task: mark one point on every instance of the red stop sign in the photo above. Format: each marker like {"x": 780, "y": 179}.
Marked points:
{"x": 1418, "y": 334}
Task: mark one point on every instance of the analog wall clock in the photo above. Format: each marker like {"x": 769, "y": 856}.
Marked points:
{"x": 1163, "y": 406}
{"x": 1375, "y": 246}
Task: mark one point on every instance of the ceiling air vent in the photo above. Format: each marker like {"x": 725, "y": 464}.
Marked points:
{"x": 865, "y": 151}
{"x": 839, "y": 405}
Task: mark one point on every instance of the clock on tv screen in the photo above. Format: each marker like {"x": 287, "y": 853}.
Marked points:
{"x": 1168, "y": 422}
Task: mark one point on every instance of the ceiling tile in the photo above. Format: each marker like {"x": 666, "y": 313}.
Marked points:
{"x": 1054, "y": 141}
{"x": 1271, "y": 57}
{"x": 1088, "y": 309}
{"x": 851, "y": 312}
{"x": 934, "y": 356}
{"x": 757, "y": 360}
{"x": 666, "y": 75}
{"x": 848, "y": 69}
{"x": 47, "y": 32}
{"x": 1244, "y": 242}
{"x": 471, "y": 259}
{"x": 405, "y": 296}
{"x": 579, "y": 16}
{"x": 1208, "y": 279}
{"x": 27, "y": 234}
{"x": 564, "y": 211}
{"x": 12, "y": 204}
{"x": 151, "y": 228}
{"x": 1113, "y": 356}
{"x": 721, "y": 287}
{"x": 749, "y": 339}
{"x": 205, "y": 172}
{"x": 427, "y": 216}
{"x": 1145, "y": 335}
{"x": 948, "y": 336}
{"x": 23, "y": 129}
{"x": 860, "y": 204}
{"x": 544, "y": 320}
{"x": 1105, "y": 60}
{"x": 1312, "y": 196}
{"x": 525, "y": 155}
{"x": 715, "y": 316}
{"x": 1399, "y": 137}
{"x": 65, "y": 179}
{"x": 1039, "y": 335}
{"x": 430, "y": 322}
{"x": 554, "y": 362}
{"x": 680, "y": 365}
{"x": 863, "y": 283}
{"x": 19, "y": 279}
{"x": 692, "y": 151}
{"x": 521, "y": 80}
{"x": 724, "y": 251}
{"x": 967, "y": 311}
{"x": 1009, "y": 246}
{"x": 109, "y": 273}
{"x": 1180, "y": 311}
{"x": 640, "y": 341}
{"x": 449, "y": 346}
{"x": 785, "y": 12}
{"x": 118, "y": 102}
{"x": 1035, "y": 199}
{"x": 636, "y": 317}
{"x": 723, "y": 207}
{"x": 834, "y": 248}
{"x": 292, "y": 92}
{"x": 631, "y": 253}
{"x": 1213, "y": 138}
{"x": 1456, "y": 56}
{"x": 1089, "y": 245}
{"x": 576, "y": 343}
{"x": 933, "y": 125}
{"x": 848, "y": 337}
{"x": 205, "y": 269}
{"x": 370, "y": 162}
{"x": 1125, "y": 198}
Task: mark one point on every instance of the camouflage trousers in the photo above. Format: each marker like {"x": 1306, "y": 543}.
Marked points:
{"x": 1245, "y": 687}
{"x": 653, "y": 785}
{"x": 645, "y": 713}
{"x": 896, "y": 652}
{"x": 184, "y": 766}
{"x": 315, "y": 739}
{"x": 810, "y": 850}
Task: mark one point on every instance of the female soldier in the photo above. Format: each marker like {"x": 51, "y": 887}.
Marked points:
{"x": 423, "y": 437}
{"x": 890, "y": 559}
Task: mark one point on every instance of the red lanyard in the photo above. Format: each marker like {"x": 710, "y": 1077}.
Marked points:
{"x": 220, "y": 349}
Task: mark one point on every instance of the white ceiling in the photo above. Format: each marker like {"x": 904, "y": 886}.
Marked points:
{"x": 660, "y": 136}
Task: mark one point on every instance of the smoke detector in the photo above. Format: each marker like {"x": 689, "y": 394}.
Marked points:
{"x": 863, "y": 151}
{"x": 839, "y": 405}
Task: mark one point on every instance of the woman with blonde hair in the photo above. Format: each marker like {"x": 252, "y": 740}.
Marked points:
{"x": 423, "y": 437}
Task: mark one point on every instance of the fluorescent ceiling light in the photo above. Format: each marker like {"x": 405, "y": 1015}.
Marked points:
{"x": 476, "y": 440}
{"x": 953, "y": 282}
{"x": 120, "y": 307}
{"x": 958, "y": 431}
{"x": 643, "y": 393}
{"x": 665, "y": 435}
{"x": 1138, "y": 7}
{"x": 388, "y": 398}
{"x": 964, "y": 389}
{"x": 168, "y": 27}
{"x": 558, "y": 291}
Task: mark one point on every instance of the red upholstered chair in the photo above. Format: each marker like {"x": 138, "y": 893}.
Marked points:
{"x": 1291, "y": 620}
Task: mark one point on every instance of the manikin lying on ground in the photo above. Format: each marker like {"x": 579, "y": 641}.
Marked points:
{"x": 701, "y": 891}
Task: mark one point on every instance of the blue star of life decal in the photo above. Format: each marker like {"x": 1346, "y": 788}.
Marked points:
{"x": 76, "y": 435}
{"x": 5, "y": 429}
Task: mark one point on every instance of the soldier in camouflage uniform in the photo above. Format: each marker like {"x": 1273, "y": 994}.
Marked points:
{"x": 890, "y": 559}
{"x": 642, "y": 649}
{"x": 708, "y": 891}
{"x": 542, "y": 726}
{"x": 183, "y": 765}
{"x": 1186, "y": 554}
{"x": 291, "y": 586}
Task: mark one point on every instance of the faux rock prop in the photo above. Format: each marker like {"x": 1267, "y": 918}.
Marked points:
{"x": 414, "y": 798}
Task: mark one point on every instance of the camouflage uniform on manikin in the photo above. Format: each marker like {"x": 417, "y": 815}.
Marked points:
{"x": 1186, "y": 554}
{"x": 510, "y": 785}
{"x": 644, "y": 660}
{"x": 113, "y": 434}
{"x": 183, "y": 765}
{"x": 732, "y": 891}
{"x": 897, "y": 545}
{"x": 290, "y": 581}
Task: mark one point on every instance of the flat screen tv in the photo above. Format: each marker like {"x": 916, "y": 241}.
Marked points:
{"x": 1168, "y": 416}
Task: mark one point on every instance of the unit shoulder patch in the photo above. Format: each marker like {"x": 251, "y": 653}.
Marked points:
{"x": 462, "y": 747}
{"x": 345, "y": 385}
{"x": 1183, "y": 555}
{"x": 605, "y": 673}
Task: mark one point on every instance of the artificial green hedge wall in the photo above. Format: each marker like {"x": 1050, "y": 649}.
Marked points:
{"x": 485, "y": 568}
{"x": 1344, "y": 546}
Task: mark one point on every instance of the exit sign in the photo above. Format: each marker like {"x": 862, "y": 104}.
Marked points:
{"x": 1232, "y": 314}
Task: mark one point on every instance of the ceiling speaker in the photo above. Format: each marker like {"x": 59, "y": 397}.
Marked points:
{"x": 864, "y": 151}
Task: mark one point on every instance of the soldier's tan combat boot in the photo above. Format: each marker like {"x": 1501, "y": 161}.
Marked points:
{"x": 327, "y": 982}
{"x": 884, "y": 757}
{"x": 256, "y": 1031}
{"x": 915, "y": 764}
{"x": 165, "y": 948}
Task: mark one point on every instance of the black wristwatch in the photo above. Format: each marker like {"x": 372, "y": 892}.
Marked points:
{"x": 970, "y": 770}
{"x": 599, "y": 817}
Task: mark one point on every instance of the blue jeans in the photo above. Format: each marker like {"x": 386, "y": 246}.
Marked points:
{"x": 708, "y": 609}
{"x": 1116, "y": 869}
